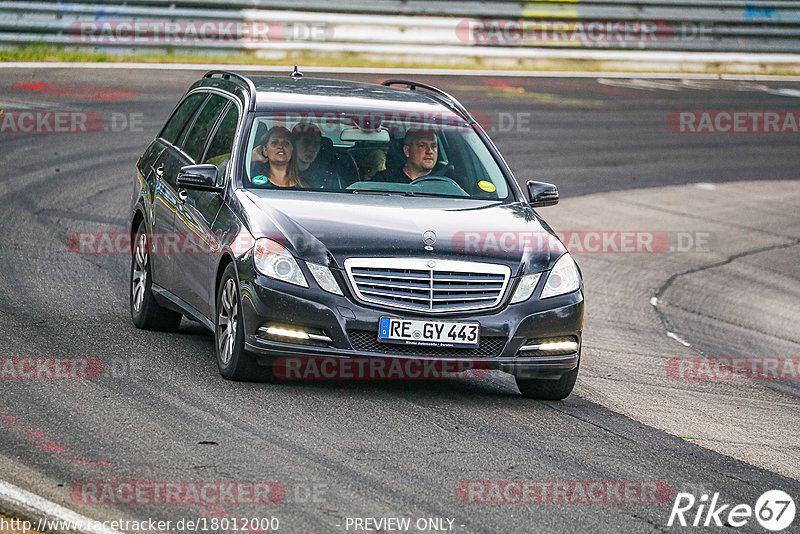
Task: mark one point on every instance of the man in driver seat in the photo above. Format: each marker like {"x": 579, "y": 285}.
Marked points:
{"x": 422, "y": 152}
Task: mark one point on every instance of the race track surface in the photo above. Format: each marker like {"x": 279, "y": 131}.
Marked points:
{"x": 160, "y": 412}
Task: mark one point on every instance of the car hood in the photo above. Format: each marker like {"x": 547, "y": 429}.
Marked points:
{"x": 328, "y": 228}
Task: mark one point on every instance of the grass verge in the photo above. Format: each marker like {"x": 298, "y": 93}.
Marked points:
{"x": 41, "y": 53}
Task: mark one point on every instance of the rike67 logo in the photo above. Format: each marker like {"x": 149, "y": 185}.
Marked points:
{"x": 774, "y": 510}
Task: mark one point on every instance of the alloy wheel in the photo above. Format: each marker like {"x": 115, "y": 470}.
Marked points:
{"x": 228, "y": 320}
{"x": 139, "y": 277}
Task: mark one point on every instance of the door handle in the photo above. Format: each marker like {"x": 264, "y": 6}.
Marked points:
{"x": 160, "y": 171}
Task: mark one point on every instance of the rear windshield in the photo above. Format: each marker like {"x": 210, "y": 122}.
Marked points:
{"x": 404, "y": 153}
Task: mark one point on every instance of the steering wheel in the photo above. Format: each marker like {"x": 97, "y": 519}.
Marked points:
{"x": 432, "y": 178}
{"x": 443, "y": 181}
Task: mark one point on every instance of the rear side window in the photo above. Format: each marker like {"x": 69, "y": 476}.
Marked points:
{"x": 195, "y": 140}
{"x": 172, "y": 130}
{"x": 219, "y": 151}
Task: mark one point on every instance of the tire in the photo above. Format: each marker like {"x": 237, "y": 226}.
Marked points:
{"x": 543, "y": 389}
{"x": 233, "y": 361}
{"x": 146, "y": 313}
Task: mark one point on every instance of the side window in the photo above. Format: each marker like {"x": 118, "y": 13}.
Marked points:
{"x": 195, "y": 140}
{"x": 172, "y": 130}
{"x": 219, "y": 151}
{"x": 149, "y": 155}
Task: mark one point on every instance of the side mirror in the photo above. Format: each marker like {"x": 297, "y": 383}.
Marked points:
{"x": 199, "y": 177}
{"x": 541, "y": 194}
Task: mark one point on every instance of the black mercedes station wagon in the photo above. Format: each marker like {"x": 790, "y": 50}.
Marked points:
{"x": 316, "y": 219}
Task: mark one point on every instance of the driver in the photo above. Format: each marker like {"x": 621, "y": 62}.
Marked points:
{"x": 422, "y": 152}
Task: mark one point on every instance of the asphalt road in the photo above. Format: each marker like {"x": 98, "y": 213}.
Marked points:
{"x": 344, "y": 450}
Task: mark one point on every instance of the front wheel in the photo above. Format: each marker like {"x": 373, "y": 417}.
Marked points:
{"x": 233, "y": 362}
{"x": 543, "y": 389}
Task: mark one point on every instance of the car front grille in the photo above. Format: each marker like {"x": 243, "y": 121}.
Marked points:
{"x": 433, "y": 286}
{"x": 367, "y": 341}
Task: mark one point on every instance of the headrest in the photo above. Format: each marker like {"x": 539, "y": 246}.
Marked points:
{"x": 306, "y": 127}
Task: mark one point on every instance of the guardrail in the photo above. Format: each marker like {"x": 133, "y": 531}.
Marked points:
{"x": 441, "y": 28}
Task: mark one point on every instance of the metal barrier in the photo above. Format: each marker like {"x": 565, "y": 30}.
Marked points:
{"x": 440, "y": 28}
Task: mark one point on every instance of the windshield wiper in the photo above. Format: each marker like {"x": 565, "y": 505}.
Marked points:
{"x": 401, "y": 193}
{"x": 375, "y": 192}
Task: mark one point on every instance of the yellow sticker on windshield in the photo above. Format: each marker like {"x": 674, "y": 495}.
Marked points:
{"x": 487, "y": 186}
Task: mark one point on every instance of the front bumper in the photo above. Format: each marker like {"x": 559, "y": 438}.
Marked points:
{"x": 268, "y": 301}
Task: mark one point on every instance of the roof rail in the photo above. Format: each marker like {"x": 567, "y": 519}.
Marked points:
{"x": 235, "y": 76}
{"x": 446, "y": 98}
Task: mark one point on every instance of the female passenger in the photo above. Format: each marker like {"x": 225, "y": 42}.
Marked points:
{"x": 274, "y": 163}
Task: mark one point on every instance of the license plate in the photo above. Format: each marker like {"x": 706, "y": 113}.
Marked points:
{"x": 428, "y": 333}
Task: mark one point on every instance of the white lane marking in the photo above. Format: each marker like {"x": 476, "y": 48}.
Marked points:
{"x": 705, "y": 186}
{"x": 702, "y": 85}
{"x": 383, "y": 71}
{"x": 6, "y": 104}
{"x": 783, "y": 91}
{"x": 678, "y": 338}
{"x": 40, "y": 505}
{"x": 696, "y": 84}
{"x": 647, "y": 85}
{"x": 654, "y": 301}
{"x": 14, "y": 105}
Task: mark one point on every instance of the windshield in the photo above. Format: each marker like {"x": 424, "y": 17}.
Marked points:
{"x": 398, "y": 153}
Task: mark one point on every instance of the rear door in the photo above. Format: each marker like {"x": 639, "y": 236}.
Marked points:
{"x": 195, "y": 210}
{"x": 165, "y": 199}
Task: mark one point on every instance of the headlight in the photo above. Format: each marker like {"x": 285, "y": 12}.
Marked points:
{"x": 273, "y": 260}
{"x": 324, "y": 278}
{"x": 564, "y": 278}
{"x": 525, "y": 287}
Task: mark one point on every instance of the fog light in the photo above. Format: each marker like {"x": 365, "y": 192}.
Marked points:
{"x": 283, "y": 332}
{"x": 552, "y": 346}
{"x": 276, "y": 331}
